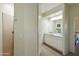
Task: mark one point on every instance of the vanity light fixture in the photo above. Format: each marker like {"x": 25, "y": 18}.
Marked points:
{"x": 56, "y": 18}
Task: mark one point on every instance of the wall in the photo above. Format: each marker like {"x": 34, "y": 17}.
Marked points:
{"x": 0, "y": 29}
{"x": 25, "y": 29}
{"x": 70, "y": 13}
{"x": 30, "y": 29}
{"x": 66, "y": 29}
{"x": 51, "y": 26}
{"x": 74, "y": 12}
{"x": 19, "y": 29}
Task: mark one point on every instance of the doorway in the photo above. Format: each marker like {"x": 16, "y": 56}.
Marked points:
{"x": 51, "y": 32}
{"x": 8, "y": 35}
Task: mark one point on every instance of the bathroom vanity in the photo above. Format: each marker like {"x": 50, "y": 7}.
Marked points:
{"x": 55, "y": 40}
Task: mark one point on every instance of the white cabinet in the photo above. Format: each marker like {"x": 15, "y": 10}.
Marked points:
{"x": 60, "y": 45}
{"x": 54, "y": 41}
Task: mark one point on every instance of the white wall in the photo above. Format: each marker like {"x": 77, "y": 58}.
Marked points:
{"x": 0, "y": 29}
{"x": 30, "y": 29}
{"x": 18, "y": 29}
{"x": 51, "y": 26}
{"x": 74, "y": 12}
{"x": 25, "y": 29}
{"x": 71, "y": 11}
{"x": 66, "y": 29}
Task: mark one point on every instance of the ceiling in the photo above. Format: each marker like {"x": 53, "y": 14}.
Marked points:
{"x": 44, "y": 7}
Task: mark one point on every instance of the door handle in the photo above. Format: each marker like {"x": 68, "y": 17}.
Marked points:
{"x": 13, "y": 32}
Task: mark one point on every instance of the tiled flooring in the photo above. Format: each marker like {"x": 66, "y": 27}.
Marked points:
{"x": 46, "y": 51}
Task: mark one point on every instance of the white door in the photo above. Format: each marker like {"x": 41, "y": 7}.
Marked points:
{"x": 7, "y": 34}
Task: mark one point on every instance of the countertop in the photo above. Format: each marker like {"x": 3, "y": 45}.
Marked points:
{"x": 55, "y": 34}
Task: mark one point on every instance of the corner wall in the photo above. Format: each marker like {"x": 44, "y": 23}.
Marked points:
{"x": 66, "y": 29}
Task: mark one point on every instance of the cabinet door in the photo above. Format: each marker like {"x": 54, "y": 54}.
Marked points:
{"x": 60, "y": 45}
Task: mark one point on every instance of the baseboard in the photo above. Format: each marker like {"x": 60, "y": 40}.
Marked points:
{"x": 53, "y": 48}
